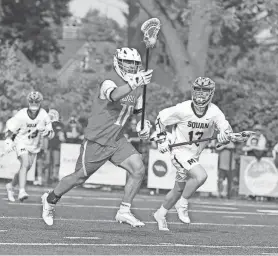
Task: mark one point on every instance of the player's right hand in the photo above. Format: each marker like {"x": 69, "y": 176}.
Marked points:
{"x": 163, "y": 147}
{"x": 143, "y": 77}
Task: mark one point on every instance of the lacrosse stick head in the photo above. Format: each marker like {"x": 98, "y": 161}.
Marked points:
{"x": 150, "y": 28}
{"x": 53, "y": 115}
{"x": 241, "y": 136}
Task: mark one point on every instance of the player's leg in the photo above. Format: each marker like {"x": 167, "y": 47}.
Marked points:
{"x": 26, "y": 160}
{"x": 92, "y": 156}
{"x": 128, "y": 158}
{"x": 39, "y": 168}
{"x": 56, "y": 164}
{"x": 170, "y": 200}
{"x": 196, "y": 177}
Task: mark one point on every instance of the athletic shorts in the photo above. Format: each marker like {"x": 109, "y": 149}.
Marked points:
{"x": 184, "y": 162}
{"x": 23, "y": 149}
{"x": 93, "y": 155}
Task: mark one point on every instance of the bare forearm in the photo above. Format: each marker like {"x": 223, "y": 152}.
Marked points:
{"x": 120, "y": 92}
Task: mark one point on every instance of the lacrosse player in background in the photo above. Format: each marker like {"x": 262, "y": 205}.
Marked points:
{"x": 193, "y": 119}
{"x": 104, "y": 135}
{"x": 24, "y": 132}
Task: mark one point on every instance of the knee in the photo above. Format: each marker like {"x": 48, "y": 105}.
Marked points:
{"x": 136, "y": 168}
{"x": 201, "y": 178}
{"x": 139, "y": 169}
{"x": 25, "y": 166}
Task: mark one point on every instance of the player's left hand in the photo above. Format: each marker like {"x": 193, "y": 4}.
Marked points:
{"x": 8, "y": 144}
{"x": 223, "y": 137}
{"x": 145, "y": 133}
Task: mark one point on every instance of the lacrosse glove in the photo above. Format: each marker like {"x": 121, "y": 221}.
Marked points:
{"x": 145, "y": 133}
{"x": 141, "y": 78}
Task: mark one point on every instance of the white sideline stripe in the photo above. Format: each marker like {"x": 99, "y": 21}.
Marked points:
{"x": 140, "y": 209}
{"x": 146, "y": 245}
{"x": 195, "y": 205}
{"x": 216, "y": 207}
{"x": 82, "y": 237}
{"x": 234, "y": 217}
{"x": 3, "y": 230}
{"x": 268, "y": 211}
{"x": 147, "y": 222}
{"x": 150, "y": 199}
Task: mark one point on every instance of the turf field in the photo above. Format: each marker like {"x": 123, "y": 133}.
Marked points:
{"x": 85, "y": 225}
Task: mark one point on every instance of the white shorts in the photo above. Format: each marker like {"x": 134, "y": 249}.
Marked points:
{"x": 184, "y": 161}
{"x": 23, "y": 149}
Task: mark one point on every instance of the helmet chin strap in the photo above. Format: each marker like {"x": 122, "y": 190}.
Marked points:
{"x": 198, "y": 109}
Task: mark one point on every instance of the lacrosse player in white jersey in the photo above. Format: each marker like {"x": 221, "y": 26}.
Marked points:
{"x": 24, "y": 134}
{"x": 193, "y": 119}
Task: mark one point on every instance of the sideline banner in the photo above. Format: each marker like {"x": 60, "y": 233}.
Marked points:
{"x": 258, "y": 178}
{"x": 108, "y": 174}
{"x": 161, "y": 172}
{"x": 9, "y": 165}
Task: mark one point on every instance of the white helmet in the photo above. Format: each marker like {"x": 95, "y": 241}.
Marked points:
{"x": 34, "y": 99}
{"x": 127, "y": 62}
{"x": 202, "y": 91}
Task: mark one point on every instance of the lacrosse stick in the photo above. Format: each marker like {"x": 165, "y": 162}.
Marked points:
{"x": 150, "y": 28}
{"x": 234, "y": 137}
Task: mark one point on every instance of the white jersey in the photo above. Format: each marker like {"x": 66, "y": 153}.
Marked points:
{"x": 26, "y": 129}
{"x": 188, "y": 125}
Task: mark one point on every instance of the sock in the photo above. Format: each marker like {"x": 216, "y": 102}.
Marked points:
{"x": 162, "y": 211}
{"x": 183, "y": 202}
{"x": 125, "y": 207}
{"x": 52, "y": 198}
{"x": 21, "y": 190}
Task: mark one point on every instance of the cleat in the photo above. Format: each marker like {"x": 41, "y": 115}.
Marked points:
{"x": 182, "y": 213}
{"x": 47, "y": 210}
{"x": 22, "y": 195}
{"x": 161, "y": 221}
{"x": 128, "y": 217}
{"x": 10, "y": 192}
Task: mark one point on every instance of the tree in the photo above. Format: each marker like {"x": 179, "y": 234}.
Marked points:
{"x": 96, "y": 27}
{"x": 35, "y": 25}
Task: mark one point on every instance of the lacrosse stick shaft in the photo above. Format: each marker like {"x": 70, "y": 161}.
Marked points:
{"x": 145, "y": 91}
{"x": 244, "y": 134}
{"x": 192, "y": 142}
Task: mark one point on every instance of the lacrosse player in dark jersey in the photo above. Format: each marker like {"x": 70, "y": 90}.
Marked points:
{"x": 104, "y": 135}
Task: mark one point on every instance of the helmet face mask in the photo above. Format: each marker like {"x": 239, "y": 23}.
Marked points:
{"x": 127, "y": 62}
{"x": 202, "y": 91}
{"x": 34, "y": 101}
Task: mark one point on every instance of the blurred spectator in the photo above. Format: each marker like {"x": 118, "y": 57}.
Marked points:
{"x": 83, "y": 121}
{"x": 40, "y": 163}
{"x": 53, "y": 153}
{"x": 73, "y": 131}
{"x": 2, "y": 130}
{"x": 275, "y": 155}
{"x": 256, "y": 144}
{"x": 226, "y": 166}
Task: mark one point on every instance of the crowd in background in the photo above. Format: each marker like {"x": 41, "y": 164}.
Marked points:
{"x": 72, "y": 131}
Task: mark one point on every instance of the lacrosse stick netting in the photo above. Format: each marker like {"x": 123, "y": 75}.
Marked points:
{"x": 150, "y": 28}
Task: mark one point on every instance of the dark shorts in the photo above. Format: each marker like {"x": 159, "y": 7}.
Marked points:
{"x": 93, "y": 155}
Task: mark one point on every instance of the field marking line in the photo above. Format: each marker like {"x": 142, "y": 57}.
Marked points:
{"x": 147, "y": 222}
{"x": 145, "y": 245}
{"x": 82, "y": 237}
{"x": 234, "y": 217}
{"x": 143, "y": 209}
